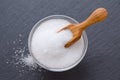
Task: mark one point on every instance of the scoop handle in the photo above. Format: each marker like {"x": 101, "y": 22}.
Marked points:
{"x": 98, "y": 15}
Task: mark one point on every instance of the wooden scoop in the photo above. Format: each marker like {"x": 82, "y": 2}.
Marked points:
{"x": 97, "y": 16}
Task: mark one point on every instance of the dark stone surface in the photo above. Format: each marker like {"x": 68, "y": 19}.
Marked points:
{"x": 102, "y": 60}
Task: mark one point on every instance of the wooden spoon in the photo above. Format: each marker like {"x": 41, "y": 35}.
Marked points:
{"x": 97, "y": 16}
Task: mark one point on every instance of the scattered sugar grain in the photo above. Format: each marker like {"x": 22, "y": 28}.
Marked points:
{"x": 29, "y": 61}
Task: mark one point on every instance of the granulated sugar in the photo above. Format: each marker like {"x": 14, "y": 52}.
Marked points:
{"x": 24, "y": 59}
{"x": 28, "y": 60}
{"x": 47, "y": 45}
{"x": 21, "y": 57}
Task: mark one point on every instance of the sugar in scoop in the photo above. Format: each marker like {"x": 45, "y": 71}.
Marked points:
{"x": 47, "y": 46}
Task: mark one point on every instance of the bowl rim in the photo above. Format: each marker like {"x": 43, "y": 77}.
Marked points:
{"x": 56, "y": 17}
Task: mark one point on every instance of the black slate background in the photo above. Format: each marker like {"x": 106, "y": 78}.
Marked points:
{"x": 102, "y": 60}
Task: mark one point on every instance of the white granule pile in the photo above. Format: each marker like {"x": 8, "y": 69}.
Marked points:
{"x": 21, "y": 57}
{"x": 47, "y": 45}
{"x": 28, "y": 60}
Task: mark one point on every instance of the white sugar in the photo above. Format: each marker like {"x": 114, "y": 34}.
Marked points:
{"x": 21, "y": 56}
{"x": 48, "y": 46}
{"x": 28, "y": 60}
{"x": 24, "y": 59}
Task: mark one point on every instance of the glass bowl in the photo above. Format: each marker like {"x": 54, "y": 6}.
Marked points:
{"x": 71, "y": 20}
